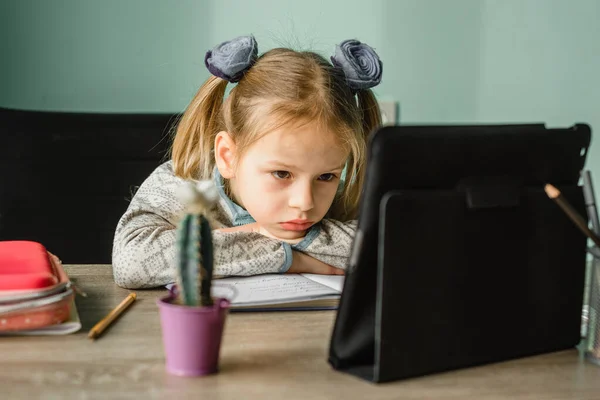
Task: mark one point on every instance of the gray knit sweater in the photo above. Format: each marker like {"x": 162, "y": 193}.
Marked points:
{"x": 144, "y": 244}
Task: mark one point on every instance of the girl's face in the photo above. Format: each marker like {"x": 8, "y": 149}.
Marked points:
{"x": 287, "y": 179}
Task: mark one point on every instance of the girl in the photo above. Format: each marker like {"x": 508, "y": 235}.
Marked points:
{"x": 286, "y": 150}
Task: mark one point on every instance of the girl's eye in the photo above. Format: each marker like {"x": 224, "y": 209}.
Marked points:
{"x": 326, "y": 177}
{"x": 281, "y": 174}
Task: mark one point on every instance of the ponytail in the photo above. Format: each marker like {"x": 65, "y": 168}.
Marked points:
{"x": 192, "y": 150}
{"x": 369, "y": 109}
{"x": 346, "y": 206}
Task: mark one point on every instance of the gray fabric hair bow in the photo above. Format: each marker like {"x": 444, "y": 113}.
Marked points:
{"x": 361, "y": 65}
{"x": 230, "y": 60}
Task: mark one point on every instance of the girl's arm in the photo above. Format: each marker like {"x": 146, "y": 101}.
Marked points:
{"x": 144, "y": 248}
{"x": 301, "y": 262}
{"x": 305, "y": 264}
{"x": 330, "y": 241}
{"x": 144, "y": 251}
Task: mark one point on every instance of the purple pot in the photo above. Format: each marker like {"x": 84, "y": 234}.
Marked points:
{"x": 192, "y": 336}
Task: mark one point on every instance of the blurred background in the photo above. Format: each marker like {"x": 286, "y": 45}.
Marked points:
{"x": 444, "y": 61}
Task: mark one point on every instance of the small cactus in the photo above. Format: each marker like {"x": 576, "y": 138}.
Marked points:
{"x": 194, "y": 267}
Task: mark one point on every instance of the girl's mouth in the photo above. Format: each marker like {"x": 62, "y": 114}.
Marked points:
{"x": 296, "y": 225}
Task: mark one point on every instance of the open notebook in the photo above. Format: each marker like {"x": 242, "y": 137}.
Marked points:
{"x": 272, "y": 292}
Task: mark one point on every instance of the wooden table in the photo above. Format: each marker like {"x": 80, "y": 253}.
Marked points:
{"x": 264, "y": 355}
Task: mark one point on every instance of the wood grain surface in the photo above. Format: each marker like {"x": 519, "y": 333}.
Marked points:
{"x": 278, "y": 355}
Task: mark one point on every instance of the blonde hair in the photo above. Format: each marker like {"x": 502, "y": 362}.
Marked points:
{"x": 283, "y": 87}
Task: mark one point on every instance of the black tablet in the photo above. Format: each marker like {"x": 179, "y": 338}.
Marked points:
{"x": 460, "y": 258}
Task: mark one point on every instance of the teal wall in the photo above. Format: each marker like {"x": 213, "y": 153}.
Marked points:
{"x": 444, "y": 61}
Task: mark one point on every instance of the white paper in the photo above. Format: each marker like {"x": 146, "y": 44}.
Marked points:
{"x": 270, "y": 289}
{"x": 333, "y": 281}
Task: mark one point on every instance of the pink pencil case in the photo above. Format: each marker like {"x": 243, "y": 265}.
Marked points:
{"x": 34, "y": 289}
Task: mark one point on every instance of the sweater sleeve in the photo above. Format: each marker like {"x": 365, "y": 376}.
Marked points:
{"x": 144, "y": 247}
{"x": 330, "y": 241}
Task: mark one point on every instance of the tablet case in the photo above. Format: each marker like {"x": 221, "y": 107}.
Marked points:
{"x": 460, "y": 258}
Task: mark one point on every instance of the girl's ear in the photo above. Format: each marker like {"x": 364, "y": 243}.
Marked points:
{"x": 225, "y": 152}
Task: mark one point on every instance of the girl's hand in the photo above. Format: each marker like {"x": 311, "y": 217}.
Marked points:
{"x": 305, "y": 264}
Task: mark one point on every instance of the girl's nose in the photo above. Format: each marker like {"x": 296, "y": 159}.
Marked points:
{"x": 302, "y": 197}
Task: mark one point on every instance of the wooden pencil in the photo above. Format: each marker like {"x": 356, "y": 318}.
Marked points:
{"x": 114, "y": 314}
{"x": 581, "y": 223}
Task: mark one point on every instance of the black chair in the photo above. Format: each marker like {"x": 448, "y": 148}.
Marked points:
{"x": 66, "y": 178}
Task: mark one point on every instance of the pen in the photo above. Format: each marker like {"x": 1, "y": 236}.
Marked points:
{"x": 106, "y": 321}
{"x": 555, "y": 195}
{"x": 592, "y": 211}
{"x": 590, "y": 201}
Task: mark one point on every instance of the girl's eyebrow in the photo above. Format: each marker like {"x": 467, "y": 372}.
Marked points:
{"x": 280, "y": 164}
{"x": 338, "y": 167}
